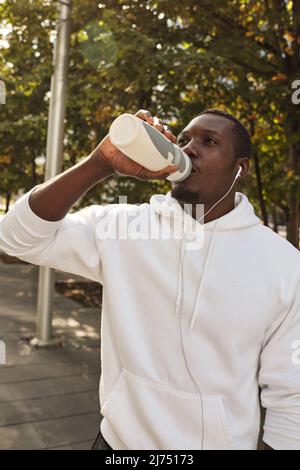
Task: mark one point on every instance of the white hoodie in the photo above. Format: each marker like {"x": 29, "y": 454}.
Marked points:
{"x": 187, "y": 335}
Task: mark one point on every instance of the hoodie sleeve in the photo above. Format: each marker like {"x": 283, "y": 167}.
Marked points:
{"x": 68, "y": 244}
{"x": 279, "y": 376}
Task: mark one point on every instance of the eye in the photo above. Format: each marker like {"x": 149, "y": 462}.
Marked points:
{"x": 182, "y": 142}
{"x": 210, "y": 141}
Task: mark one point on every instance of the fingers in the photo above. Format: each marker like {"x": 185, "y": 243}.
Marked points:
{"x": 169, "y": 171}
{"x": 169, "y": 134}
{"x": 158, "y": 125}
{"x": 145, "y": 115}
{"x": 157, "y": 175}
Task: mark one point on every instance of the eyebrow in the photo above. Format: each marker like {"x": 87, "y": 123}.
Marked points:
{"x": 207, "y": 131}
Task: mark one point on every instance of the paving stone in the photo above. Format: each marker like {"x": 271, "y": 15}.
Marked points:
{"x": 10, "y": 374}
{"x": 54, "y": 386}
{"x": 20, "y": 437}
{"x": 76, "y": 403}
{"x": 48, "y": 397}
{"x": 22, "y": 411}
{"x": 87, "y": 445}
{"x": 42, "y": 371}
{"x": 65, "y": 431}
{"x": 6, "y": 393}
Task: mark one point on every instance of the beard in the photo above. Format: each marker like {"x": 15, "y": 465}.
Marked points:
{"x": 185, "y": 195}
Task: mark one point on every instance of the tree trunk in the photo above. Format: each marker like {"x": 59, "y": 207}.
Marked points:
{"x": 33, "y": 172}
{"x": 275, "y": 224}
{"x": 293, "y": 129}
{"x": 260, "y": 190}
{"x": 293, "y": 201}
{"x": 145, "y": 99}
{"x": 259, "y": 183}
{"x": 7, "y": 201}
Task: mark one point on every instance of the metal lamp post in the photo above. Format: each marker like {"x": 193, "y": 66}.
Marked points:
{"x": 55, "y": 135}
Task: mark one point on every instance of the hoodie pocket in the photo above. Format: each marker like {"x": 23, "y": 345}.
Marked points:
{"x": 147, "y": 415}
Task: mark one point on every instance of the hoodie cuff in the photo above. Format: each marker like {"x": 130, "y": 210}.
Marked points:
{"x": 30, "y": 221}
{"x": 282, "y": 429}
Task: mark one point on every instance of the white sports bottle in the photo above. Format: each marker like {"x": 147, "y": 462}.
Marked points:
{"x": 147, "y": 146}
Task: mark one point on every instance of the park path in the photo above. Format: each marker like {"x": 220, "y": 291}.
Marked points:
{"x": 48, "y": 398}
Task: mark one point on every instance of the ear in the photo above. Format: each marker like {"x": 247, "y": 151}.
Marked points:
{"x": 244, "y": 164}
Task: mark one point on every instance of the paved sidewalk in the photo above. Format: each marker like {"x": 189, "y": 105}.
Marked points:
{"x": 48, "y": 398}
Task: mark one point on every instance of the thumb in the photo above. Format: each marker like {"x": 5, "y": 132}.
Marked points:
{"x": 165, "y": 172}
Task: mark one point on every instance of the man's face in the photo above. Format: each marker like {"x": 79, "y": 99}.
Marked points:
{"x": 208, "y": 140}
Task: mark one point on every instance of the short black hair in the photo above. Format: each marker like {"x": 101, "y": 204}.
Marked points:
{"x": 242, "y": 139}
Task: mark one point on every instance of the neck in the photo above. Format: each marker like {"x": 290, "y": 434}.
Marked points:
{"x": 221, "y": 209}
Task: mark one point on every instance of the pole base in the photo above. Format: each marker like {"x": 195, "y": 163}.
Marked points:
{"x": 52, "y": 343}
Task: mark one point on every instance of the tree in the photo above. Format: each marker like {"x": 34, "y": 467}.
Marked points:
{"x": 175, "y": 59}
{"x": 255, "y": 47}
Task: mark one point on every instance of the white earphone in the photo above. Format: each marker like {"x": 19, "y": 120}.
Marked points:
{"x": 239, "y": 172}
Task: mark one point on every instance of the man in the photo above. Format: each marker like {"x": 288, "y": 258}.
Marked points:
{"x": 188, "y": 336}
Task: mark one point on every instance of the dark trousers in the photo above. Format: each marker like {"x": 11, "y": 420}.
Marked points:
{"x": 100, "y": 443}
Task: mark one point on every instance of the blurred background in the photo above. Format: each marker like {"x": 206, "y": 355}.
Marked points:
{"x": 175, "y": 59}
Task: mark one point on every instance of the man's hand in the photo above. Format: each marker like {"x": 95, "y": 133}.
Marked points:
{"x": 117, "y": 162}
{"x": 65, "y": 189}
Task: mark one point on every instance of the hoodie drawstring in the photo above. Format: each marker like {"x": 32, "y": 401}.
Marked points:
{"x": 179, "y": 305}
{"x": 206, "y": 264}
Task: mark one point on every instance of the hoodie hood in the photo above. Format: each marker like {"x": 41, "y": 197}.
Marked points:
{"x": 241, "y": 216}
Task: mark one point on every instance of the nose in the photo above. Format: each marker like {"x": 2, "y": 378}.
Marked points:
{"x": 190, "y": 150}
